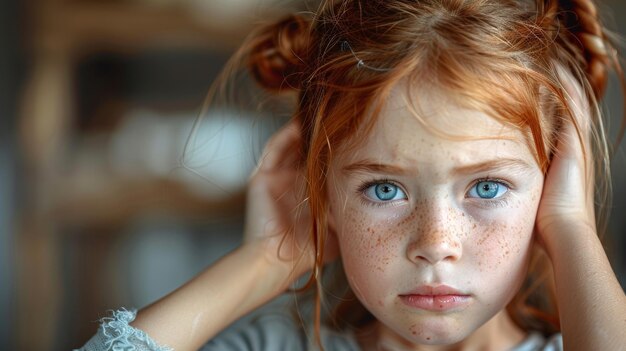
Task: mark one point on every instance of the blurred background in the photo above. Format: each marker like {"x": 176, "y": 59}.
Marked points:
{"x": 97, "y": 99}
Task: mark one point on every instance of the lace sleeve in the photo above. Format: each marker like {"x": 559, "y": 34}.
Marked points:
{"x": 115, "y": 333}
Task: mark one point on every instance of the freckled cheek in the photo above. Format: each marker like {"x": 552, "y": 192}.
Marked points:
{"x": 369, "y": 247}
{"x": 503, "y": 244}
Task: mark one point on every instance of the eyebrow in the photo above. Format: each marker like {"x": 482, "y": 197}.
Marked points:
{"x": 501, "y": 163}
{"x": 373, "y": 167}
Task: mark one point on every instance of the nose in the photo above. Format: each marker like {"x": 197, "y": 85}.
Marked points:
{"x": 440, "y": 239}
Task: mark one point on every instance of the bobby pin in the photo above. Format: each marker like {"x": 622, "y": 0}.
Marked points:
{"x": 345, "y": 46}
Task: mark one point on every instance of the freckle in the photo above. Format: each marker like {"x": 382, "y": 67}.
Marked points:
{"x": 428, "y": 338}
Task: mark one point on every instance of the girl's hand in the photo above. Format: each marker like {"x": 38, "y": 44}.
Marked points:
{"x": 591, "y": 302}
{"x": 277, "y": 215}
{"x": 568, "y": 194}
{"x": 276, "y": 251}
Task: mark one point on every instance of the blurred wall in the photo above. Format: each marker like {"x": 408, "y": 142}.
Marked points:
{"x": 614, "y": 14}
{"x": 10, "y": 67}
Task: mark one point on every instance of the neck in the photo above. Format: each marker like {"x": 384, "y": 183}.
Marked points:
{"x": 499, "y": 333}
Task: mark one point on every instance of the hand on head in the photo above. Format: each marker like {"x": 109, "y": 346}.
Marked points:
{"x": 568, "y": 193}
{"x": 277, "y": 215}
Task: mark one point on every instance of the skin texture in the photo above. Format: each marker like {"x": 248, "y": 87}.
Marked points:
{"x": 441, "y": 232}
{"x": 429, "y": 238}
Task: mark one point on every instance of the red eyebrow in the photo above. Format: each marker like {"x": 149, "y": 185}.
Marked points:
{"x": 501, "y": 163}
{"x": 368, "y": 166}
{"x": 373, "y": 167}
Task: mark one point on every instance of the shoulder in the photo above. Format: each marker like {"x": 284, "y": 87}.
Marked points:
{"x": 537, "y": 342}
{"x": 278, "y": 332}
{"x": 265, "y": 332}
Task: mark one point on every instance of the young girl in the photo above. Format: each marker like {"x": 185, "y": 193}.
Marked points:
{"x": 443, "y": 151}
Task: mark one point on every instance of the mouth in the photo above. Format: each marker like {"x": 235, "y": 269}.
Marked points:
{"x": 441, "y": 298}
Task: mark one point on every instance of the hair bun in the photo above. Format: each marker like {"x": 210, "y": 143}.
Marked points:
{"x": 278, "y": 54}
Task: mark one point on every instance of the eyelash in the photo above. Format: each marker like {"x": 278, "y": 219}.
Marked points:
{"x": 361, "y": 192}
{"x": 501, "y": 201}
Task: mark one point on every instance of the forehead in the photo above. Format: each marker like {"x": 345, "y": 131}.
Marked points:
{"x": 420, "y": 126}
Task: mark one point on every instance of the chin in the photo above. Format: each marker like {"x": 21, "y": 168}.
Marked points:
{"x": 434, "y": 339}
{"x": 436, "y": 335}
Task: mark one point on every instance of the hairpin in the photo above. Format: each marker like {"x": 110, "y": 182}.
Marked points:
{"x": 345, "y": 46}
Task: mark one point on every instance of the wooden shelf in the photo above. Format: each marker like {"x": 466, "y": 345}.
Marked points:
{"x": 121, "y": 26}
{"x": 121, "y": 200}
{"x": 60, "y": 33}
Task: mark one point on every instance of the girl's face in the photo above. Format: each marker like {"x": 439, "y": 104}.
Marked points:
{"x": 435, "y": 231}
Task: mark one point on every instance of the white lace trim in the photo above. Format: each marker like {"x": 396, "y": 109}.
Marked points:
{"x": 120, "y": 336}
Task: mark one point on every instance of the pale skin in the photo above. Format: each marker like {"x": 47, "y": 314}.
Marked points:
{"x": 592, "y": 305}
{"x": 437, "y": 230}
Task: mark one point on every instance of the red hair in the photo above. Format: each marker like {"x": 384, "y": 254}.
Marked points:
{"x": 499, "y": 57}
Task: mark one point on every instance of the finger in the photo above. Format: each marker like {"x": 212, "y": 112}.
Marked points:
{"x": 282, "y": 148}
{"x": 575, "y": 130}
{"x": 573, "y": 156}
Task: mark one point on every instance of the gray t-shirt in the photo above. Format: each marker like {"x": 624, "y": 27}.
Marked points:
{"x": 268, "y": 332}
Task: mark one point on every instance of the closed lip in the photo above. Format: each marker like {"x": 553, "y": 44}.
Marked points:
{"x": 431, "y": 290}
{"x": 440, "y": 298}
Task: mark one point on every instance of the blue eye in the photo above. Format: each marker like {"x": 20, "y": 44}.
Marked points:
{"x": 488, "y": 189}
{"x": 383, "y": 192}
